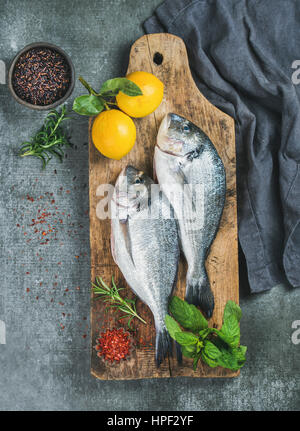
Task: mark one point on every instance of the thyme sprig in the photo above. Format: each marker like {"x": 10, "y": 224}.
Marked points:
{"x": 50, "y": 140}
{"x": 111, "y": 295}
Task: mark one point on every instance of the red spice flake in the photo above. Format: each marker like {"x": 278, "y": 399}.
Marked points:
{"x": 27, "y": 273}
{"x": 29, "y": 198}
{"x": 67, "y": 191}
{"x": 84, "y": 336}
{"x": 27, "y": 290}
{"x": 61, "y": 303}
{"x": 113, "y": 345}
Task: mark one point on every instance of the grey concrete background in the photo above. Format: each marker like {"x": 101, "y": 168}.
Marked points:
{"x": 44, "y": 288}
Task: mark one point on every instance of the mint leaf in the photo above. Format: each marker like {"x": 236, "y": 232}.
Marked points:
{"x": 230, "y": 331}
{"x": 211, "y": 350}
{"x": 210, "y": 362}
{"x": 187, "y": 315}
{"x": 114, "y": 86}
{"x": 231, "y": 308}
{"x": 195, "y": 361}
{"x": 230, "y": 358}
{"x": 172, "y": 326}
{"x": 205, "y": 332}
{"x": 240, "y": 355}
{"x": 186, "y": 338}
{"x": 189, "y": 351}
{"x": 88, "y": 105}
{"x": 210, "y": 354}
{"x": 199, "y": 346}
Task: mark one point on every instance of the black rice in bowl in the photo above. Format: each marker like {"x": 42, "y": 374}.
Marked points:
{"x": 41, "y": 76}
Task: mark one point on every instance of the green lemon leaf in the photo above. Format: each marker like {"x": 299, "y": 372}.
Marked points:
{"x": 88, "y": 105}
{"x": 187, "y": 315}
{"x": 186, "y": 338}
{"x": 231, "y": 308}
{"x": 230, "y": 331}
{"x": 172, "y": 326}
{"x": 114, "y": 86}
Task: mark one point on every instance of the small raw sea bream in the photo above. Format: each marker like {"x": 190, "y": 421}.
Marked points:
{"x": 192, "y": 176}
{"x": 145, "y": 246}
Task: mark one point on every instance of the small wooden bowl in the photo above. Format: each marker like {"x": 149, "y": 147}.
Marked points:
{"x": 59, "y": 101}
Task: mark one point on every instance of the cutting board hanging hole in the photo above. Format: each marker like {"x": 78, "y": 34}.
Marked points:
{"x": 158, "y": 58}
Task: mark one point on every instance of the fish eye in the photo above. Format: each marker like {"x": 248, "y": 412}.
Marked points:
{"x": 138, "y": 181}
{"x": 186, "y": 128}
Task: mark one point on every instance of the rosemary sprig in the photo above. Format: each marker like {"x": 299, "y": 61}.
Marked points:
{"x": 49, "y": 141}
{"x": 111, "y": 295}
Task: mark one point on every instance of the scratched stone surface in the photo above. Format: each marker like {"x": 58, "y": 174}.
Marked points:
{"x": 44, "y": 240}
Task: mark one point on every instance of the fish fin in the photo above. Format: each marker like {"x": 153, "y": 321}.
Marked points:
{"x": 163, "y": 346}
{"x": 199, "y": 293}
{"x": 122, "y": 245}
{"x": 127, "y": 242}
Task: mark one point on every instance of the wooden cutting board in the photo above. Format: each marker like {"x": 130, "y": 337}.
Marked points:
{"x": 181, "y": 96}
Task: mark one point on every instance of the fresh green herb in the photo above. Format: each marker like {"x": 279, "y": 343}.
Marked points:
{"x": 94, "y": 103}
{"x": 215, "y": 347}
{"x": 187, "y": 315}
{"x": 50, "y": 140}
{"x": 111, "y": 295}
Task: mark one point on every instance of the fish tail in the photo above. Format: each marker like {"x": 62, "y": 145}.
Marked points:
{"x": 163, "y": 345}
{"x": 198, "y": 292}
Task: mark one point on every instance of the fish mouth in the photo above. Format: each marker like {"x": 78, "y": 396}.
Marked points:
{"x": 165, "y": 143}
{"x": 169, "y": 152}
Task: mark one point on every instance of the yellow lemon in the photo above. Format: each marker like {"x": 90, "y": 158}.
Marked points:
{"x": 113, "y": 133}
{"x": 140, "y": 106}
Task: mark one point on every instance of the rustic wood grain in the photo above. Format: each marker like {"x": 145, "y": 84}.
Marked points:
{"x": 183, "y": 97}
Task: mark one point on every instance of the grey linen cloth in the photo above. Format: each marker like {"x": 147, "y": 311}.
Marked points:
{"x": 241, "y": 54}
